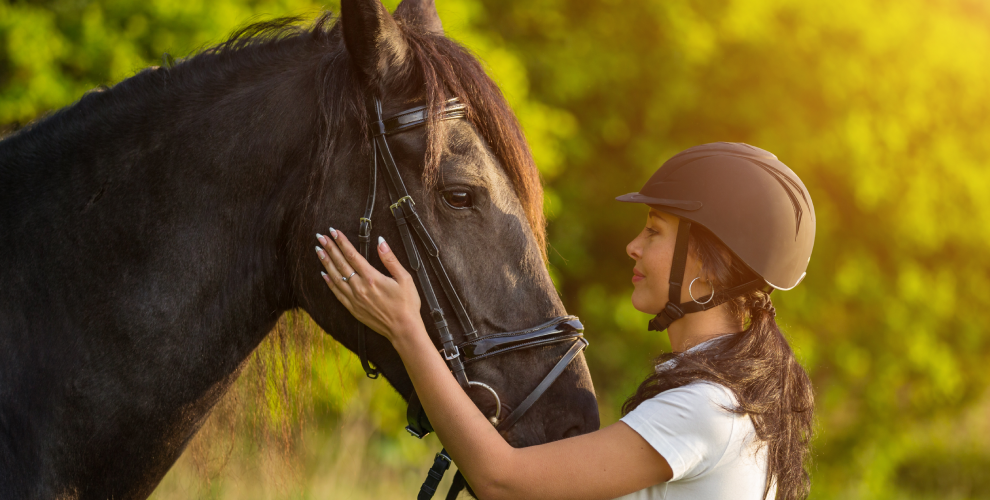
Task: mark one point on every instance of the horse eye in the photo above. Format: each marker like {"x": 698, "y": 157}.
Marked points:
{"x": 458, "y": 199}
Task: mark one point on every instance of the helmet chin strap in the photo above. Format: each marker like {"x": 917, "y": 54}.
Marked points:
{"x": 674, "y": 311}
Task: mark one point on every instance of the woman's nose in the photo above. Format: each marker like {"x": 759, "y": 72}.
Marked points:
{"x": 633, "y": 249}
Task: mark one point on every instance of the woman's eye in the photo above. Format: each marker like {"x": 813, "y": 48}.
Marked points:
{"x": 458, "y": 199}
{"x": 651, "y": 231}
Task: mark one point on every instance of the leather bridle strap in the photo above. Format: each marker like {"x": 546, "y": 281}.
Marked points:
{"x": 404, "y": 211}
{"x": 456, "y": 486}
{"x": 402, "y": 122}
{"x": 523, "y": 407}
{"x": 441, "y": 462}
{"x": 364, "y": 242}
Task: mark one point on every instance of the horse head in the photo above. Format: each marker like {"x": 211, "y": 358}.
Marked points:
{"x": 477, "y": 191}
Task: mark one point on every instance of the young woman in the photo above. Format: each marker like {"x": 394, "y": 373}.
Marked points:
{"x": 728, "y": 414}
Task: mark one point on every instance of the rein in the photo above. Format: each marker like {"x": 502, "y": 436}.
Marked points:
{"x": 473, "y": 347}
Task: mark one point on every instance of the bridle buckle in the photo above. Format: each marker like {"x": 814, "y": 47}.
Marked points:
{"x": 401, "y": 201}
{"x": 457, "y": 354}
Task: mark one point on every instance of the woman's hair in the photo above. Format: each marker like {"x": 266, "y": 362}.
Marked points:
{"x": 757, "y": 365}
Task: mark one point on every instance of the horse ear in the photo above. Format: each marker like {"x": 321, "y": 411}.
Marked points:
{"x": 422, "y": 13}
{"x": 372, "y": 38}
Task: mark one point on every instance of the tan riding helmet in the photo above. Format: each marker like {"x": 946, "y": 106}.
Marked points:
{"x": 747, "y": 198}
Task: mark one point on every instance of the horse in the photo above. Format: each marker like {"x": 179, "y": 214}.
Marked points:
{"x": 152, "y": 233}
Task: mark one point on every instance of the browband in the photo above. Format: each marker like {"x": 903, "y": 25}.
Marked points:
{"x": 416, "y": 117}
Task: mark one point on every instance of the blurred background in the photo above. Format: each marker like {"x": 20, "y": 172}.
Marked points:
{"x": 882, "y": 108}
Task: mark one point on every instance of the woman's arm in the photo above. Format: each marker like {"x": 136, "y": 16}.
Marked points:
{"x": 603, "y": 464}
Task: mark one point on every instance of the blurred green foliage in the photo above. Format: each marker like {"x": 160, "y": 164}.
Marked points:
{"x": 880, "y": 106}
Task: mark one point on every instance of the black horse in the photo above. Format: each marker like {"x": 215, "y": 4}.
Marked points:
{"x": 152, "y": 233}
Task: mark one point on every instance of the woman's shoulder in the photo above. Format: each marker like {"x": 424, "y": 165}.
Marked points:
{"x": 700, "y": 408}
{"x": 699, "y": 391}
{"x": 691, "y": 426}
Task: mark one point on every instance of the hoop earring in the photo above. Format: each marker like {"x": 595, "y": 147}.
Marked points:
{"x": 710, "y": 297}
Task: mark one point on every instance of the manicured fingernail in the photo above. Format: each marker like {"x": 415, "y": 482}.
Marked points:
{"x": 333, "y": 233}
{"x": 382, "y": 245}
{"x": 323, "y": 239}
{"x": 319, "y": 251}
{"x": 323, "y": 274}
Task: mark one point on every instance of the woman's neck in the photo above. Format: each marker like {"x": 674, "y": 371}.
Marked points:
{"x": 695, "y": 328}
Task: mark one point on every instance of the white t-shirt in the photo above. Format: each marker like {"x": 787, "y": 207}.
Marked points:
{"x": 714, "y": 453}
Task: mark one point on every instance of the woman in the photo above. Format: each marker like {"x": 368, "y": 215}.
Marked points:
{"x": 728, "y": 414}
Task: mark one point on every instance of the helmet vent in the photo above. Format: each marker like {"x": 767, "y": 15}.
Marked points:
{"x": 790, "y": 186}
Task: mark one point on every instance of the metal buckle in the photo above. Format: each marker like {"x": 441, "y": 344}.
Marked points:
{"x": 415, "y": 434}
{"x": 457, "y": 354}
{"x": 393, "y": 206}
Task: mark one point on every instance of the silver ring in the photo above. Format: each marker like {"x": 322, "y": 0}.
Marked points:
{"x": 692, "y": 295}
{"x": 498, "y": 402}
{"x": 345, "y": 278}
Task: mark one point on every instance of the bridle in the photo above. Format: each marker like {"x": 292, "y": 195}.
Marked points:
{"x": 473, "y": 347}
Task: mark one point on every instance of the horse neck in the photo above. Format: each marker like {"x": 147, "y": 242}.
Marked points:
{"x": 142, "y": 262}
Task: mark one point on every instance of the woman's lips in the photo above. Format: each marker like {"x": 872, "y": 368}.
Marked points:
{"x": 637, "y": 276}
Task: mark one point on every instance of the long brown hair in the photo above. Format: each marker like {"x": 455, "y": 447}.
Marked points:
{"x": 757, "y": 365}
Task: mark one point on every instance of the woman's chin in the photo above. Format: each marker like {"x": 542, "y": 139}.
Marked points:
{"x": 645, "y": 306}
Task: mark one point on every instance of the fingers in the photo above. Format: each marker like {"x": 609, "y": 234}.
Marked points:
{"x": 375, "y": 301}
{"x": 335, "y": 255}
{"x": 391, "y": 262}
{"x": 333, "y": 275}
{"x": 350, "y": 255}
{"x": 328, "y": 264}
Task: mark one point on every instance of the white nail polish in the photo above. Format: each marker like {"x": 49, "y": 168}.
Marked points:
{"x": 323, "y": 274}
{"x": 380, "y": 240}
{"x": 333, "y": 233}
{"x": 318, "y": 250}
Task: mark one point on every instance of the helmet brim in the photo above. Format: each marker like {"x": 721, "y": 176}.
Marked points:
{"x": 689, "y": 205}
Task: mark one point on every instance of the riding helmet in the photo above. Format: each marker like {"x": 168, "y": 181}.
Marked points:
{"x": 747, "y": 198}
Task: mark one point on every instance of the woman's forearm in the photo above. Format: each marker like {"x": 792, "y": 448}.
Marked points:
{"x": 480, "y": 452}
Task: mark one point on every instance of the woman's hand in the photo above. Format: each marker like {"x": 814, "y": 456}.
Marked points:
{"x": 388, "y": 305}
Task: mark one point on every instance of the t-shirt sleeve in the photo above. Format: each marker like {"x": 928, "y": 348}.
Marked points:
{"x": 688, "y": 426}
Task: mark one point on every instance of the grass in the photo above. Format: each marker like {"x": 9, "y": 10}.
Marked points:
{"x": 303, "y": 421}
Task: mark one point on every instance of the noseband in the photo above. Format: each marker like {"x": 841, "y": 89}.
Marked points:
{"x": 473, "y": 347}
